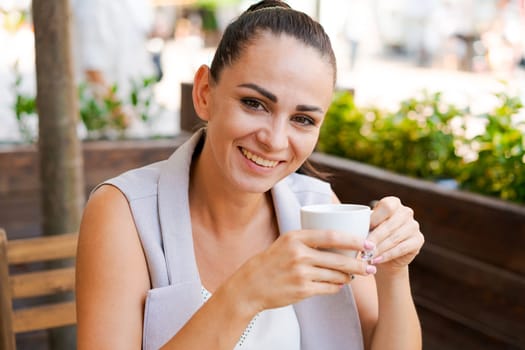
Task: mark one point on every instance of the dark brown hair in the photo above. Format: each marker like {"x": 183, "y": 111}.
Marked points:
{"x": 278, "y": 18}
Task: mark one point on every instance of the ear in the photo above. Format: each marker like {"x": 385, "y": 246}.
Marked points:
{"x": 201, "y": 92}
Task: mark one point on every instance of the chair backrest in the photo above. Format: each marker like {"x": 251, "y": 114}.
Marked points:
{"x": 44, "y": 282}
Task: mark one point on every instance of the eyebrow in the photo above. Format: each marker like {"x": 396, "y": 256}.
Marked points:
{"x": 307, "y": 108}
{"x": 274, "y": 99}
{"x": 261, "y": 90}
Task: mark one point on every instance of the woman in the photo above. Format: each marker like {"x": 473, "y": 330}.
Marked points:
{"x": 204, "y": 250}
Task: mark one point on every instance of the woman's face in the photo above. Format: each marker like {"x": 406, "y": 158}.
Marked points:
{"x": 265, "y": 112}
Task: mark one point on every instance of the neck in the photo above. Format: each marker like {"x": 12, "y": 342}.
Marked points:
{"x": 220, "y": 208}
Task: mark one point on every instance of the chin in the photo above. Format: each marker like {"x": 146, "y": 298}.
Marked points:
{"x": 254, "y": 185}
{"x": 257, "y": 188}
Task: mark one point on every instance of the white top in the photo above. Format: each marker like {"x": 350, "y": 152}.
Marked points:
{"x": 275, "y": 329}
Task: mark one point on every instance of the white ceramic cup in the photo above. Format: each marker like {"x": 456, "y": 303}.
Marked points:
{"x": 353, "y": 219}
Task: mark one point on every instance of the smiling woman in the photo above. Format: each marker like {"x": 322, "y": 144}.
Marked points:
{"x": 205, "y": 251}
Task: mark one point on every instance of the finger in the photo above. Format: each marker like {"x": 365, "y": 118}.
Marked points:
{"x": 306, "y": 281}
{"x": 406, "y": 248}
{"x": 384, "y": 209}
{"x": 401, "y": 216}
{"x": 323, "y": 288}
{"x": 402, "y": 233}
{"x": 342, "y": 263}
{"x": 327, "y": 275}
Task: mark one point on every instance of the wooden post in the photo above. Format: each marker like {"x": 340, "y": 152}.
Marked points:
{"x": 7, "y": 339}
{"x": 61, "y": 165}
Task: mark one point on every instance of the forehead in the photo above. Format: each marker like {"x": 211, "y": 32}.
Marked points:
{"x": 281, "y": 48}
{"x": 281, "y": 62}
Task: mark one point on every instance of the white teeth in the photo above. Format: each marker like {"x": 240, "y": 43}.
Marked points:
{"x": 258, "y": 160}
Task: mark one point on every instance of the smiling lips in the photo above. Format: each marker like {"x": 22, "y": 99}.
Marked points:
{"x": 258, "y": 160}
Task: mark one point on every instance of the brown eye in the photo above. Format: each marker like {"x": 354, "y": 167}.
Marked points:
{"x": 252, "y": 104}
{"x": 303, "y": 120}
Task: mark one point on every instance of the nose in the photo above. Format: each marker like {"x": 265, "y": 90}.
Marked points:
{"x": 274, "y": 134}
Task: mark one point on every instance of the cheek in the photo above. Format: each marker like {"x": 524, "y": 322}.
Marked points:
{"x": 304, "y": 145}
{"x": 226, "y": 112}
{"x": 221, "y": 119}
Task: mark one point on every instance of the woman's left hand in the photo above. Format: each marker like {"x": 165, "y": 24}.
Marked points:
{"x": 395, "y": 233}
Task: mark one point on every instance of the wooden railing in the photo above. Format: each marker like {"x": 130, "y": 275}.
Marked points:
{"x": 469, "y": 279}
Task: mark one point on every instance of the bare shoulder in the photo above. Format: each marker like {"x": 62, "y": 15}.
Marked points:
{"x": 106, "y": 205}
{"x": 107, "y": 223}
{"x": 112, "y": 275}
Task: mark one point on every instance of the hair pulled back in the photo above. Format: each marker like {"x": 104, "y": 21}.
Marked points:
{"x": 276, "y": 17}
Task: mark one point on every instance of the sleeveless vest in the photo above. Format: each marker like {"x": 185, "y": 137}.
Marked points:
{"x": 158, "y": 198}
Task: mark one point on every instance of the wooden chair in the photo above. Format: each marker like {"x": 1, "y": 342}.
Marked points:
{"x": 46, "y": 282}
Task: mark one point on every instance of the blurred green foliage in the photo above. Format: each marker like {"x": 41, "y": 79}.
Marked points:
{"x": 24, "y": 107}
{"x": 425, "y": 138}
{"x": 100, "y": 114}
{"x": 208, "y": 11}
{"x": 108, "y": 114}
{"x": 499, "y": 169}
{"x": 141, "y": 96}
{"x": 105, "y": 116}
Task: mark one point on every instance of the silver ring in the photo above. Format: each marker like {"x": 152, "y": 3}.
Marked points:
{"x": 367, "y": 255}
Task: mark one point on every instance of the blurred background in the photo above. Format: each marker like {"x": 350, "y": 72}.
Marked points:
{"x": 387, "y": 51}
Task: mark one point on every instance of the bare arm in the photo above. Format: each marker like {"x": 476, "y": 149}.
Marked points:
{"x": 218, "y": 323}
{"x": 386, "y": 310}
{"x": 398, "y": 326}
{"x": 112, "y": 277}
{"x": 388, "y": 316}
{"x": 398, "y": 240}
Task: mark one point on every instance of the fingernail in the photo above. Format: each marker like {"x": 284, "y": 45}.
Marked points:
{"x": 377, "y": 260}
{"x": 369, "y": 245}
{"x": 371, "y": 269}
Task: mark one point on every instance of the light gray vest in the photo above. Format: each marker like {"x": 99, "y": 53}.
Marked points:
{"x": 158, "y": 197}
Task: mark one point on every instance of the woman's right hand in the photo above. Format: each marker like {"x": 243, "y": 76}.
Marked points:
{"x": 297, "y": 266}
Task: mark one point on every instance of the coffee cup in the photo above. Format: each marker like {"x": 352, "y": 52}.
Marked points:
{"x": 353, "y": 219}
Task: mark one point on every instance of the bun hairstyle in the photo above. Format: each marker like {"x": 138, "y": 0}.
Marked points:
{"x": 269, "y": 3}
{"x": 276, "y": 17}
